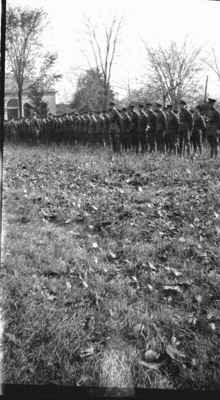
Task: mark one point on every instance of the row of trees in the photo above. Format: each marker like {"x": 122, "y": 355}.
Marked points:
{"x": 172, "y": 72}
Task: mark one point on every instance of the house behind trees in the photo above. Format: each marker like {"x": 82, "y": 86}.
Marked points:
{"x": 11, "y": 100}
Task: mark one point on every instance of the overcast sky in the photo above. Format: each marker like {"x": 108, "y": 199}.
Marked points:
{"x": 156, "y": 22}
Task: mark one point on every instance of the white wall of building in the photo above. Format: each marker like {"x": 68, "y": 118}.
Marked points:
{"x": 49, "y": 98}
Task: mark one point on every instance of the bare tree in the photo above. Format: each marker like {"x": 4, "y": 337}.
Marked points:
{"x": 174, "y": 71}
{"x": 23, "y": 28}
{"x": 213, "y": 63}
{"x": 103, "y": 51}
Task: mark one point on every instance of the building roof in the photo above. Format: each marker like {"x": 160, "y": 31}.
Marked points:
{"x": 11, "y": 87}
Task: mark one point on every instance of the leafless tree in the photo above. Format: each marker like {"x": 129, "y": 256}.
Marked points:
{"x": 103, "y": 50}
{"x": 174, "y": 70}
{"x": 213, "y": 63}
{"x": 23, "y": 27}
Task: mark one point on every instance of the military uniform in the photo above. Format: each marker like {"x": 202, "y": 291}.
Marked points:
{"x": 126, "y": 130}
{"x": 115, "y": 127}
{"x": 134, "y": 128}
{"x": 150, "y": 128}
{"x": 142, "y": 124}
{"x": 172, "y": 130}
{"x": 212, "y": 127}
{"x": 185, "y": 129}
{"x": 198, "y": 128}
{"x": 161, "y": 125}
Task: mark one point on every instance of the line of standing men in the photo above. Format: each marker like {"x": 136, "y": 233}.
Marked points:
{"x": 146, "y": 127}
{"x": 151, "y": 128}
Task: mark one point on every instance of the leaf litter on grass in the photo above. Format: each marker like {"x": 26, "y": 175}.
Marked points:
{"x": 131, "y": 232}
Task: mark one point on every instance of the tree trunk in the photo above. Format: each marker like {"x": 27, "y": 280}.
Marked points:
{"x": 164, "y": 99}
{"x": 106, "y": 93}
{"x": 20, "y": 102}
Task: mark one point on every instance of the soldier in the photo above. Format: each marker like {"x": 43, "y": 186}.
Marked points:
{"x": 185, "y": 128}
{"x": 12, "y": 130}
{"x": 161, "y": 125}
{"x": 106, "y": 126}
{"x": 35, "y": 128}
{"x": 126, "y": 129}
{"x": 142, "y": 124}
{"x": 198, "y": 129}
{"x": 98, "y": 132}
{"x": 151, "y": 127}
{"x": 115, "y": 127}
{"x": 212, "y": 125}
{"x": 172, "y": 129}
{"x": 134, "y": 127}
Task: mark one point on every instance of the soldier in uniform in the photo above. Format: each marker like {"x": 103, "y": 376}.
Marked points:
{"x": 35, "y": 128}
{"x": 161, "y": 125}
{"x": 134, "y": 128}
{"x": 172, "y": 129}
{"x": 198, "y": 128}
{"x": 115, "y": 127}
{"x": 212, "y": 125}
{"x": 98, "y": 128}
{"x": 185, "y": 128}
{"x": 151, "y": 127}
{"x": 142, "y": 124}
{"x": 126, "y": 123}
{"x": 106, "y": 134}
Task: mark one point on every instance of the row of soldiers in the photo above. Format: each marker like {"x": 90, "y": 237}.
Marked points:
{"x": 146, "y": 127}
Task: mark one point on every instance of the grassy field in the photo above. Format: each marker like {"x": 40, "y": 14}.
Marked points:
{"x": 111, "y": 269}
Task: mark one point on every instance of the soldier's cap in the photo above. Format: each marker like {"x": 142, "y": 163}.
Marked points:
{"x": 148, "y": 104}
{"x": 112, "y": 104}
{"x": 124, "y": 109}
{"x": 140, "y": 105}
{"x": 131, "y": 106}
{"x": 212, "y": 101}
{"x": 158, "y": 105}
{"x": 169, "y": 106}
{"x": 182, "y": 102}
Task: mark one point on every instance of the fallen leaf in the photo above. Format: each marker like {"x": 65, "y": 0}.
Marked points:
{"x": 212, "y": 326}
{"x": 112, "y": 255}
{"x": 87, "y": 352}
{"x": 151, "y": 266}
{"x": 198, "y": 298}
{"x": 173, "y": 352}
{"x": 12, "y": 338}
{"x": 176, "y": 273}
{"x": 193, "y": 362}
{"x": 151, "y": 356}
{"x": 68, "y": 285}
{"x": 149, "y": 365}
{"x": 85, "y": 284}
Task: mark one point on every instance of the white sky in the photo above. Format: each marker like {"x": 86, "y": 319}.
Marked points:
{"x": 156, "y": 21}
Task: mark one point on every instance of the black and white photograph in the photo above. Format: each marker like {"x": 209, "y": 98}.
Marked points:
{"x": 110, "y": 195}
